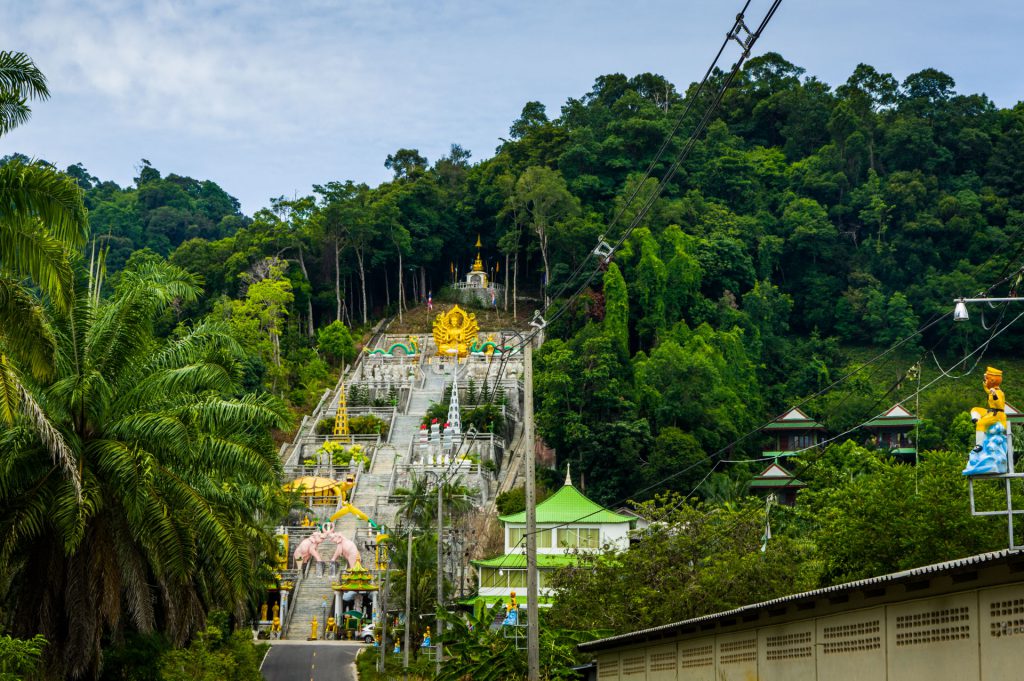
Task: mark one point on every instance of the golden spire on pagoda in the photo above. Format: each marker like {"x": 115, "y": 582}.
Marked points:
{"x": 478, "y": 264}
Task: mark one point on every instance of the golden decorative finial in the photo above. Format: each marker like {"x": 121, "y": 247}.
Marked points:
{"x": 478, "y": 264}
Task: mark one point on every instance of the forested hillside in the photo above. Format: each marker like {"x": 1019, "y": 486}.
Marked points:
{"x": 153, "y": 344}
{"x": 811, "y": 218}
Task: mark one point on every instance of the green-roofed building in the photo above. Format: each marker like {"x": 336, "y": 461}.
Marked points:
{"x": 567, "y": 523}
{"x": 792, "y": 433}
{"x": 892, "y": 432}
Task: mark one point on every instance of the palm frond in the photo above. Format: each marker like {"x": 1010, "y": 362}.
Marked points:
{"x": 195, "y": 378}
{"x": 19, "y": 75}
{"x": 24, "y": 331}
{"x": 253, "y": 411}
{"x": 16, "y": 399}
{"x": 36, "y": 190}
{"x": 166, "y": 283}
{"x": 13, "y": 112}
{"x": 28, "y": 250}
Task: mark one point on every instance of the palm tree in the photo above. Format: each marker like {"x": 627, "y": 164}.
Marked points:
{"x": 419, "y": 500}
{"x": 42, "y": 221}
{"x": 178, "y": 477}
{"x": 417, "y": 505}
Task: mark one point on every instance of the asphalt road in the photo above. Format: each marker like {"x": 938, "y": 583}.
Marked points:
{"x": 311, "y": 662}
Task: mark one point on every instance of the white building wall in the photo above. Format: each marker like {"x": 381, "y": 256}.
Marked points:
{"x": 611, "y": 535}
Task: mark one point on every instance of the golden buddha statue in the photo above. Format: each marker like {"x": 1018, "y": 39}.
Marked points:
{"x": 455, "y": 329}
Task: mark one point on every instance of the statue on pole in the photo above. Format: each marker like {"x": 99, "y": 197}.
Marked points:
{"x": 991, "y": 453}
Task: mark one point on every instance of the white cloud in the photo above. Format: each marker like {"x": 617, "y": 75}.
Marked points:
{"x": 267, "y": 97}
{"x": 197, "y": 69}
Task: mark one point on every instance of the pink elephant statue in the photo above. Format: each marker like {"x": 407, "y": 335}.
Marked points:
{"x": 307, "y": 549}
{"x": 345, "y": 547}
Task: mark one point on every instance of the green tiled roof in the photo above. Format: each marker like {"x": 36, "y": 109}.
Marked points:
{"x": 491, "y": 600}
{"x": 568, "y": 505}
{"x": 884, "y": 422}
{"x": 794, "y": 425}
{"x": 777, "y": 482}
{"x": 514, "y": 561}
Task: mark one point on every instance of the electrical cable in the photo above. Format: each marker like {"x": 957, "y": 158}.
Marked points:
{"x": 664, "y": 145}
{"x": 752, "y": 38}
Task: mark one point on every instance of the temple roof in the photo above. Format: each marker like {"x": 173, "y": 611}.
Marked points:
{"x": 794, "y": 419}
{"x": 776, "y": 476}
{"x": 568, "y": 505}
{"x": 896, "y": 416}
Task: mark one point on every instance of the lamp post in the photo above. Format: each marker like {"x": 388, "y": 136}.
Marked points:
{"x": 960, "y": 306}
{"x": 439, "y": 625}
{"x": 408, "y": 595}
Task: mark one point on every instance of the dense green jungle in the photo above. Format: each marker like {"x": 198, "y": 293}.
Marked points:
{"x": 155, "y": 343}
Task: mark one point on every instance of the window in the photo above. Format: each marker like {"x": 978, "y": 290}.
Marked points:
{"x": 579, "y": 537}
{"x": 590, "y": 538}
{"x": 489, "y": 577}
{"x": 802, "y": 440}
{"x": 542, "y": 578}
{"x": 516, "y": 579}
{"x": 567, "y": 537}
{"x": 544, "y": 539}
{"x": 516, "y": 537}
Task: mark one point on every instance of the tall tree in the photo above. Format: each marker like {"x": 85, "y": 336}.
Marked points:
{"x": 616, "y": 308}
{"x": 542, "y": 194}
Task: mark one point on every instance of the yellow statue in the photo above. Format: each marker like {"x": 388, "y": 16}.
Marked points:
{"x": 314, "y": 629}
{"x": 276, "y": 610}
{"x": 275, "y": 627}
{"x": 511, "y": 611}
{"x": 332, "y": 628}
{"x": 455, "y": 329}
{"x": 263, "y": 612}
{"x": 991, "y": 453}
{"x": 347, "y": 508}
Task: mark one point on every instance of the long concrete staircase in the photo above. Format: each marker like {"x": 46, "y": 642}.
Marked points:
{"x": 309, "y": 597}
{"x": 373, "y": 494}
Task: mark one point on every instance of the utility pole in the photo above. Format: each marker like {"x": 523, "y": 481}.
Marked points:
{"x": 408, "y": 596}
{"x": 439, "y": 626}
{"x": 382, "y": 658}
{"x": 532, "y": 625}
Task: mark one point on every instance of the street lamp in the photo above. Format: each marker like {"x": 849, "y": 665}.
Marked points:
{"x": 960, "y": 311}
{"x": 960, "y": 306}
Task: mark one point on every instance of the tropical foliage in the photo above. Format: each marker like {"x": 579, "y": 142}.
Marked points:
{"x": 810, "y": 225}
{"x": 477, "y": 650}
{"x": 178, "y": 477}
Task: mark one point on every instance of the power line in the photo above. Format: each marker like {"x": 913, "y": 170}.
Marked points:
{"x": 980, "y": 349}
{"x": 664, "y": 145}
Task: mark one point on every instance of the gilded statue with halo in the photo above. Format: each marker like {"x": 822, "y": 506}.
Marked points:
{"x": 456, "y": 329}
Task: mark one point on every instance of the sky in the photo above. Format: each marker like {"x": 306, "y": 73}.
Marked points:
{"x": 267, "y": 98}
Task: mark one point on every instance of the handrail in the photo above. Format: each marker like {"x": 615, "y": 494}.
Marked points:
{"x": 292, "y": 605}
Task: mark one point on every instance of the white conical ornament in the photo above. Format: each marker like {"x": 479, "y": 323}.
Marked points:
{"x": 454, "y": 417}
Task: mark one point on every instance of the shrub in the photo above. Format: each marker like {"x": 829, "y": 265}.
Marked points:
{"x": 368, "y": 424}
